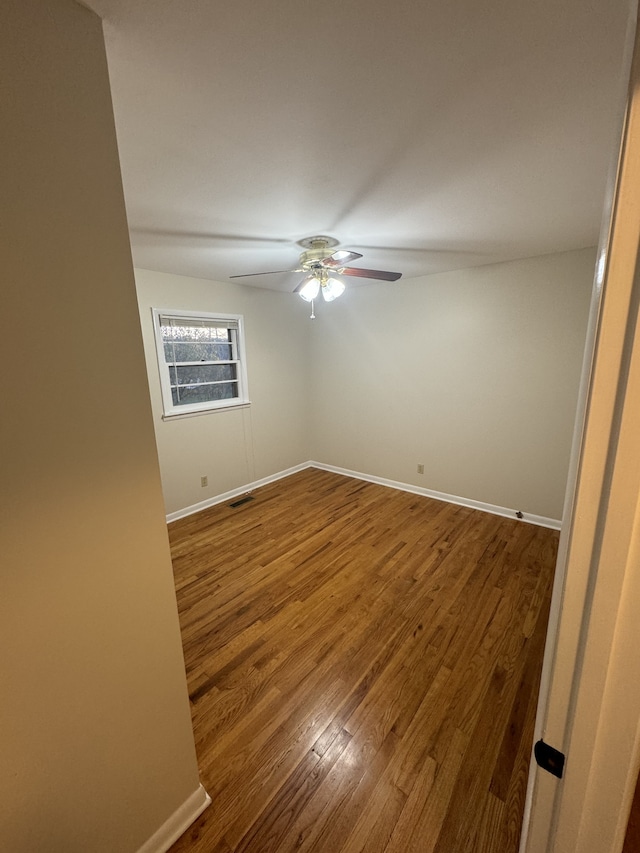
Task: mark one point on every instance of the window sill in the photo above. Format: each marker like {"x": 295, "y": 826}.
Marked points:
{"x": 174, "y": 416}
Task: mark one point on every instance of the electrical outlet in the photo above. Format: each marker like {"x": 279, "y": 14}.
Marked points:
{"x": 204, "y": 481}
{"x": 420, "y": 468}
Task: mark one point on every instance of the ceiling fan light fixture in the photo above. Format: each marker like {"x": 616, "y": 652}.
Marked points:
{"x": 319, "y": 262}
{"x": 310, "y": 290}
{"x": 332, "y": 289}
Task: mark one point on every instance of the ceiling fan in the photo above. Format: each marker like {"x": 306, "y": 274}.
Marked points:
{"x": 322, "y": 265}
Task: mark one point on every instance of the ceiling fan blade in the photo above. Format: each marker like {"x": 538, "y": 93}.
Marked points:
{"x": 342, "y": 256}
{"x": 382, "y": 275}
{"x": 271, "y": 272}
{"x": 203, "y": 235}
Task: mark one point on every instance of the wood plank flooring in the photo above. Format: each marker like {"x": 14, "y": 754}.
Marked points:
{"x": 363, "y": 668}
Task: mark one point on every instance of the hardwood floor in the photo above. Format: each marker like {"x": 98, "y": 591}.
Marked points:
{"x": 363, "y": 668}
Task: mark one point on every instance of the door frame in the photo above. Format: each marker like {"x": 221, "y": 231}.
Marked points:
{"x": 587, "y": 707}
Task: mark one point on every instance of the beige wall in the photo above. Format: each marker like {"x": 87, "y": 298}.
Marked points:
{"x": 472, "y": 373}
{"x": 232, "y": 447}
{"x": 96, "y": 743}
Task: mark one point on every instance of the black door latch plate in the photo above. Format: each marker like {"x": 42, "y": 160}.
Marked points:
{"x": 550, "y": 759}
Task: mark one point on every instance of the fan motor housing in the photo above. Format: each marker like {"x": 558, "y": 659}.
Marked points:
{"x": 318, "y": 248}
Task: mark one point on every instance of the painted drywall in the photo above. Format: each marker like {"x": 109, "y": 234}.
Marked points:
{"x": 96, "y": 740}
{"x": 232, "y": 447}
{"x": 473, "y": 374}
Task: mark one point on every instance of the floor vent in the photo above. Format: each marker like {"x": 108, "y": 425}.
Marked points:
{"x": 241, "y": 501}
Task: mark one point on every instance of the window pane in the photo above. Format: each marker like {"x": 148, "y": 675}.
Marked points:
{"x": 204, "y": 393}
{"x": 195, "y": 334}
{"x": 200, "y": 363}
{"x": 196, "y": 373}
{"x": 197, "y": 352}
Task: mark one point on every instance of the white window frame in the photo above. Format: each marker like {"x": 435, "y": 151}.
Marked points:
{"x": 170, "y": 409}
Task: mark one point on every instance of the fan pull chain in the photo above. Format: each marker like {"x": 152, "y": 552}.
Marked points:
{"x": 312, "y": 315}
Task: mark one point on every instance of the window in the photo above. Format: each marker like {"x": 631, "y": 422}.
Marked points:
{"x": 201, "y": 361}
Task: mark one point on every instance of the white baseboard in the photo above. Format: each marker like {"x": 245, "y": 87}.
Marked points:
{"x": 234, "y": 493}
{"x": 179, "y": 822}
{"x": 504, "y": 511}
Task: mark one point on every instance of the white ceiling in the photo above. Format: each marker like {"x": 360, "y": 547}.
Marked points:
{"x": 429, "y": 135}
